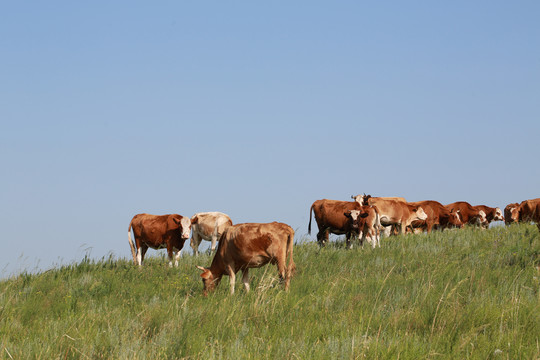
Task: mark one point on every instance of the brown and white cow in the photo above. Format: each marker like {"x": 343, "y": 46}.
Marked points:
{"x": 467, "y": 213}
{"x": 158, "y": 232}
{"x": 208, "y": 226}
{"x": 511, "y": 213}
{"x": 330, "y": 217}
{"x": 365, "y": 224}
{"x": 492, "y": 214}
{"x": 438, "y": 217}
{"x": 370, "y": 200}
{"x": 250, "y": 245}
{"x": 527, "y": 211}
{"x": 397, "y": 213}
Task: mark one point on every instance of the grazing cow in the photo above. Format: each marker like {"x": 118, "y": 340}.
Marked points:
{"x": 529, "y": 210}
{"x": 511, "y": 213}
{"x": 365, "y": 223}
{"x": 397, "y": 213}
{"x": 330, "y": 218}
{"x": 208, "y": 226}
{"x": 469, "y": 215}
{"x": 438, "y": 217}
{"x": 250, "y": 245}
{"x": 158, "y": 232}
{"x": 492, "y": 214}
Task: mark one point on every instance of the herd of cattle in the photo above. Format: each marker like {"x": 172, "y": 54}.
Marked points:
{"x": 252, "y": 245}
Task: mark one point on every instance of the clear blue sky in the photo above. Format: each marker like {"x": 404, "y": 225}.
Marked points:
{"x": 256, "y": 109}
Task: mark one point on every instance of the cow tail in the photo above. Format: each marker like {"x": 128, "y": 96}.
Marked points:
{"x": 309, "y": 225}
{"x": 291, "y": 268}
{"x": 131, "y": 244}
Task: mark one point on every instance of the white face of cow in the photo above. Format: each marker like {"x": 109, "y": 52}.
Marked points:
{"x": 355, "y": 214}
{"x": 482, "y": 218}
{"x": 186, "y": 227}
{"x": 498, "y": 215}
{"x": 421, "y": 214}
{"x": 358, "y": 198}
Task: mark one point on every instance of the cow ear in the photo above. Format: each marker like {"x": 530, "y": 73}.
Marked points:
{"x": 194, "y": 220}
{"x": 347, "y": 213}
{"x": 364, "y": 215}
{"x": 177, "y": 221}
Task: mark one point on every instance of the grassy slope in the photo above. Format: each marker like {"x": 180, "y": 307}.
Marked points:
{"x": 462, "y": 294}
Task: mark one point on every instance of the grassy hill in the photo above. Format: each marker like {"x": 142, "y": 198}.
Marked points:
{"x": 457, "y": 294}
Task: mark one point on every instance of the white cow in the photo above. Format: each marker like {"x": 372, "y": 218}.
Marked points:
{"x": 208, "y": 226}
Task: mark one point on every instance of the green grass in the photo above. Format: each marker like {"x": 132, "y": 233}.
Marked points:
{"x": 452, "y": 295}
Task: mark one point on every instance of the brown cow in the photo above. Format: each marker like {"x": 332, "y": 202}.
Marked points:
{"x": 492, "y": 214}
{"x": 330, "y": 217}
{"x": 397, "y": 213}
{"x": 158, "y": 232}
{"x": 250, "y": 245}
{"x": 467, "y": 213}
{"x": 511, "y": 213}
{"x": 365, "y": 224}
{"x": 208, "y": 226}
{"x": 438, "y": 217}
{"x": 529, "y": 210}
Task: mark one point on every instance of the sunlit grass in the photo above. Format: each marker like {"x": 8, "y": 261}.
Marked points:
{"x": 456, "y": 294}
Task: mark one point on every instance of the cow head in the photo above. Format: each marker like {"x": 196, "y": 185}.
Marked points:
{"x": 355, "y": 216}
{"x": 511, "y": 213}
{"x": 480, "y": 219}
{"x": 420, "y": 213}
{"x": 184, "y": 226}
{"x": 209, "y": 280}
{"x": 361, "y": 199}
{"x": 498, "y": 215}
{"x": 454, "y": 220}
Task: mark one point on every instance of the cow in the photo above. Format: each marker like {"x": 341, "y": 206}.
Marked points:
{"x": 158, "y": 232}
{"x": 370, "y": 200}
{"x": 396, "y": 213}
{"x": 467, "y": 213}
{"x": 250, "y": 245}
{"x": 208, "y": 226}
{"x": 492, "y": 214}
{"x": 529, "y": 210}
{"x": 365, "y": 224}
{"x": 330, "y": 218}
{"x": 511, "y": 213}
{"x": 438, "y": 217}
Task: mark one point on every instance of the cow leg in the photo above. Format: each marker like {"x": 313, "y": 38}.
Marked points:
{"x": 214, "y": 242}
{"x": 195, "y": 242}
{"x": 348, "y": 240}
{"x": 141, "y": 251}
{"x": 232, "y": 277}
{"x": 177, "y": 257}
{"x": 245, "y": 278}
{"x": 170, "y": 254}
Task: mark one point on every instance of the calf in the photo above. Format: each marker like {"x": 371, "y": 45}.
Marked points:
{"x": 468, "y": 214}
{"x": 158, "y": 232}
{"x": 208, "y": 226}
{"x": 250, "y": 245}
{"x": 330, "y": 218}
{"x": 365, "y": 223}
{"x": 438, "y": 217}
{"x": 396, "y": 213}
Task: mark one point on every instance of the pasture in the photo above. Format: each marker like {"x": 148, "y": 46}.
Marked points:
{"x": 444, "y": 295}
